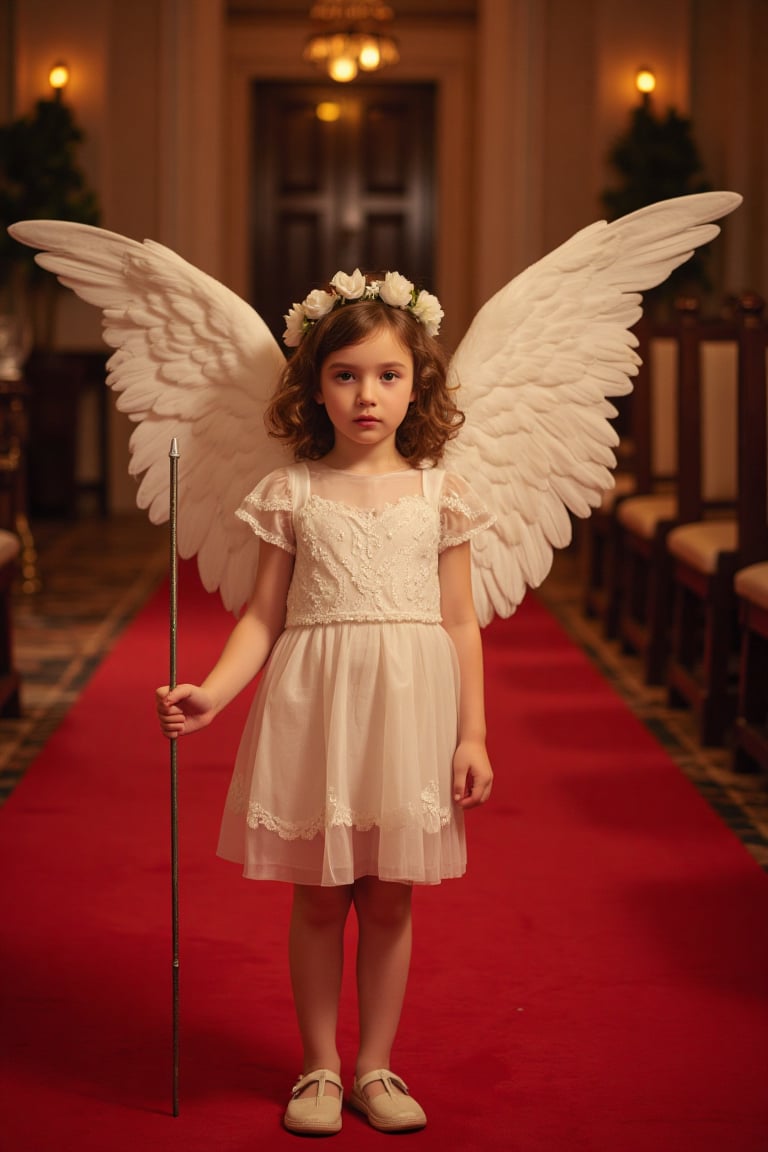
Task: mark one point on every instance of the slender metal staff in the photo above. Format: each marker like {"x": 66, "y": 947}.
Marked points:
{"x": 174, "y": 586}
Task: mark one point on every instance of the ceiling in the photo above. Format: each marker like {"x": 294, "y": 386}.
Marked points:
{"x": 448, "y": 10}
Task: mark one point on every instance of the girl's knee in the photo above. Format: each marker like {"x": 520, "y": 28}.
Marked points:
{"x": 381, "y": 902}
{"x": 318, "y": 907}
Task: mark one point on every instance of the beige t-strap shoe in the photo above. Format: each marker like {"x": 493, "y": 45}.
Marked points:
{"x": 393, "y": 1110}
{"x": 319, "y": 1114}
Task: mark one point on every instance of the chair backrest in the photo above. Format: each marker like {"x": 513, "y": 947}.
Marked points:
{"x": 752, "y": 508}
{"x": 651, "y": 419}
{"x": 663, "y": 360}
{"x": 707, "y": 412}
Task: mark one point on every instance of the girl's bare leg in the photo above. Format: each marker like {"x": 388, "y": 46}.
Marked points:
{"x": 316, "y": 955}
{"x": 383, "y": 960}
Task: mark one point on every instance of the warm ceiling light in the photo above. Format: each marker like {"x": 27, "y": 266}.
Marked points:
{"x": 58, "y": 77}
{"x": 351, "y": 36}
{"x": 645, "y": 81}
{"x": 370, "y": 55}
{"x": 342, "y": 68}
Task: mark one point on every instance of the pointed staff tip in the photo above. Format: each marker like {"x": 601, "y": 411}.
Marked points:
{"x": 174, "y": 452}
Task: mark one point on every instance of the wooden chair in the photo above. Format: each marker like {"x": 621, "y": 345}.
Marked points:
{"x": 707, "y": 554}
{"x": 641, "y": 469}
{"x": 13, "y": 557}
{"x": 14, "y": 468}
{"x": 644, "y": 613}
{"x": 10, "y": 703}
{"x": 600, "y": 553}
{"x": 750, "y": 736}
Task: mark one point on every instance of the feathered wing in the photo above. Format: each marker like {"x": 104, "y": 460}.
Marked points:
{"x": 535, "y": 371}
{"x": 192, "y": 361}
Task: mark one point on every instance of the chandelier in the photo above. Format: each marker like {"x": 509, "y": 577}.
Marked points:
{"x": 351, "y": 37}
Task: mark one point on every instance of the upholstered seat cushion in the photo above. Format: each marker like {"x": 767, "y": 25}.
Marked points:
{"x": 699, "y": 545}
{"x": 752, "y": 584}
{"x": 9, "y": 547}
{"x": 641, "y": 514}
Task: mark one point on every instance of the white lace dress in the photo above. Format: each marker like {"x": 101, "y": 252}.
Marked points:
{"x": 345, "y": 765}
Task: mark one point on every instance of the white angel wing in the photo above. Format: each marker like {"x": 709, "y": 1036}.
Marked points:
{"x": 193, "y": 361}
{"x": 534, "y": 372}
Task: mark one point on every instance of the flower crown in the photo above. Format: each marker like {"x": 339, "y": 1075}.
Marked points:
{"x": 394, "y": 290}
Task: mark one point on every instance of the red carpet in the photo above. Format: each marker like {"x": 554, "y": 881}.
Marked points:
{"x": 598, "y": 982}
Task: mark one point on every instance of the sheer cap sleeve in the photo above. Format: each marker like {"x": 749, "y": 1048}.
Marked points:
{"x": 268, "y": 509}
{"x": 462, "y": 514}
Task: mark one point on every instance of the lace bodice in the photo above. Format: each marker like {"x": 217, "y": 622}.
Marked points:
{"x": 366, "y": 547}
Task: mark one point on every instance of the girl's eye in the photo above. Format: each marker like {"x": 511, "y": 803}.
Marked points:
{"x": 389, "y": 376}
{"x": 344, "y": 377}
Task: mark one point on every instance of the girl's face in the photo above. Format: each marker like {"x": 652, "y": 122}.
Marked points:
{"x": 366, "y": 389}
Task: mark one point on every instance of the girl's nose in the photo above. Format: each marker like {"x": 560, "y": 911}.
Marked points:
{"x": 366, "y": 396}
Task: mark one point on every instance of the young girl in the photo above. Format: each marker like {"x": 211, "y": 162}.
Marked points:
{"x": 365, "y": 743}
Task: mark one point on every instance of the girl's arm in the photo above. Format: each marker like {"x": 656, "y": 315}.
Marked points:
{"x": 472, "y": 772}
{"x": 188, "y": 707}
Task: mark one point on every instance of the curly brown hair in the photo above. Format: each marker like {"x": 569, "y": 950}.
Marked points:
{"x": 294, "y": 415}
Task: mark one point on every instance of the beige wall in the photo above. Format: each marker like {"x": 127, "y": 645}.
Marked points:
{"x": 145, "y": 83}
{"x": 529, "y": 100}
{"x": 728, "y": 100}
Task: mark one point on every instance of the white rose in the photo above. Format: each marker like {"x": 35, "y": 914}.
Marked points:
{"x": 427, "y": 309}
{"x": 396, "y": 290}
{"x": 294, "y": 326}
{"x": 350, "y": 287}
{"x": 318, "y": 304}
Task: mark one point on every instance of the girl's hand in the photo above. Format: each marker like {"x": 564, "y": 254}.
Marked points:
{"x": 472, "y": 774}
{"x": 186, "y": 709}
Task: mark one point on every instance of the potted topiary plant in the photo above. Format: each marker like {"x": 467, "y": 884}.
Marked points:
{"x": 656, "y": 159}
{"x": 39, "y": 178}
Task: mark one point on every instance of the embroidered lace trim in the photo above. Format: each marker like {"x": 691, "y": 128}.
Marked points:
{"x": 358, "y": 564}
{"x": 474, "y": 519}
{"x": 363, "y": 564}
{"x": 265, "y": 534}
{"x": 267, "y": 503}
{"x": 427, "y": 814}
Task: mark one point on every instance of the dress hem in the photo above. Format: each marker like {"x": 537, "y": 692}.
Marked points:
{"x": 292, "y": 875}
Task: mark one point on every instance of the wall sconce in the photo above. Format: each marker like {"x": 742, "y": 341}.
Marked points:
{"x": 328, "y": 111}
{"x": 351, "y": 37}
{"x": 58, "y": 78}
{"x": 645, "y": 81}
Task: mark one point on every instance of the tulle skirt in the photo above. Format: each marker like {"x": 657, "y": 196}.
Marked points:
{"x": 345, "y": 765}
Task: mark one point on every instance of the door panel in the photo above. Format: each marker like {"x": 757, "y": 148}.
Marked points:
{"x": 354, "y": 192}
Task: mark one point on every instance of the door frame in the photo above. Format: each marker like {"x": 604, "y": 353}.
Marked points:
{"x": 320, "y": 185}
{"x": 442, "y": 56}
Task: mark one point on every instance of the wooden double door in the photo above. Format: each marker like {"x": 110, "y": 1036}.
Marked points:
{"x": 355, "y": 190}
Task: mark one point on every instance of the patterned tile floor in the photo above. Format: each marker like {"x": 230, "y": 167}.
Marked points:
{"x": 96, "y": 574}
